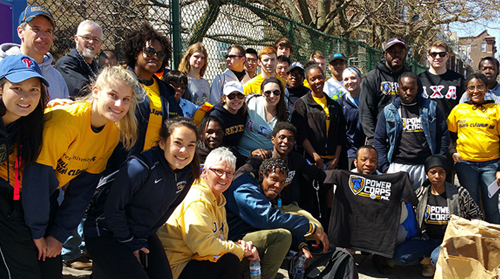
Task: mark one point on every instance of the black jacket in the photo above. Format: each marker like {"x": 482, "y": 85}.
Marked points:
{"x": 310, "y": 120}
{"x": 76, "y": 72}
{"x": 378, "y": 89}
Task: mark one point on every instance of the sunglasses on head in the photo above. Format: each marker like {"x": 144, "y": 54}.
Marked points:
{"x": 267, "y": 93}
{"x": 234, "y": 95}
{"x": 441, "y": 54}
{"x": 150, "y": 52}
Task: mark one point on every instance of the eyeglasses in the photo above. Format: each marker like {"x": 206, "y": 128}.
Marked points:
{"x": 178, "y": 84}
{"x": 220, "y": 173}
{"x": 234, "y": 95}
{"x": 267, "y": 93}
{"x": 473, "y": 88}
{"x": 89, "y": 38}
{"x": 232, "y": 56}
{"x": 441, "y": 54}
{"x": 150, "y": 52}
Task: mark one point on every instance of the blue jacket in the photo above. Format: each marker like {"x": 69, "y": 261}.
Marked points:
{"x": 140, "y": 200}
{"x": 249, "y": 210}
{"x": 354, "y": 131}
{"x": 389, "y": 126}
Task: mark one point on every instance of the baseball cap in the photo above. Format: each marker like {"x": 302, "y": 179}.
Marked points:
{"x": 394, "y": 41}
{"x": 294, "y": 66}
{"x": 33, "y": 11}
{"x": 338, "y": 56}
{"x": 18, "y": 68}
{"x": 232, "y": 86}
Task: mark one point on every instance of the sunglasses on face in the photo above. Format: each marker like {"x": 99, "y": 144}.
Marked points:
{"x": 232, "y": 56}
{"x": 267, "y": 93}
{"x": 150, "y": 52}
{"x": 178, "y": 84}
{"x": 441, "y": 54}
{"x": 234, "y": 95}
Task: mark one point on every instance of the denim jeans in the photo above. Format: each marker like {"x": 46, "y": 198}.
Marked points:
{"x": 412, "y": 252}
{"x": 479, "y": 175}
{"x": 74, "y": 246}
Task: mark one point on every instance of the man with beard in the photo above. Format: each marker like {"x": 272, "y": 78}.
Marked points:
{"x": 36, "y": 31}
{"x": 489, "y": 67}
{"x": 409, "y": 130}
{"x": 79, "y": 66}
{"x": 380, "y": 85}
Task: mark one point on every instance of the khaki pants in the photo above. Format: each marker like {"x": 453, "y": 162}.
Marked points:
{"x": 273, "y": 246}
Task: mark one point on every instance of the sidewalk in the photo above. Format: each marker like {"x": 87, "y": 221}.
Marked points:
{"x": 365, "y": 267}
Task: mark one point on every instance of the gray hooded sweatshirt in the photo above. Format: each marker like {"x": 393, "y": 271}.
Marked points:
{"x": 58, "y": 87}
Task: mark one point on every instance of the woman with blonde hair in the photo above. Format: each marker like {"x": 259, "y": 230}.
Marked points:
{"x": 78, "y": 139}
{"x": 194, "y": 64}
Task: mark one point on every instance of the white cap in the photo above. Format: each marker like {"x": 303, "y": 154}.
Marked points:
{"x": 232, "y": 86}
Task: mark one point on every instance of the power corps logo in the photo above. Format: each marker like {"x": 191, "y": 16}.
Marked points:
{"x": 369, "y": 188}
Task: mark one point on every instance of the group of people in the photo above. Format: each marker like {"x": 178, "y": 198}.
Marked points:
{"x": 156, "y": 173}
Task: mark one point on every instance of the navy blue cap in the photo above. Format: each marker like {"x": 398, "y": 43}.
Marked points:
{"x": 33, "y": 11}
{"x": 18, "y": 68}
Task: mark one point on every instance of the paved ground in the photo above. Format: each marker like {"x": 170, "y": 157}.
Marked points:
{"x": 365, "y": 267}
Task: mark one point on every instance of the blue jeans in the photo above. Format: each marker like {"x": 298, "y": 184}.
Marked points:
{"x": 479, "y": 175}
{"x": 74, "y": 246}
{"x": 412, "y": 252}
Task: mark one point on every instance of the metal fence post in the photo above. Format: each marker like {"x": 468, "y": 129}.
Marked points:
{"x": 176, "y": 34}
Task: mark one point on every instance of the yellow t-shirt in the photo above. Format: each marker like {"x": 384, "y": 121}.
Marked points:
{"x": 477, "y": 131}
{"x": 11, "y": 177}
{"x": 253, "y": 85}
{"x": 155, "y": 115}
{"x": 70, "y": 146}
{"x": 322, "y": 102}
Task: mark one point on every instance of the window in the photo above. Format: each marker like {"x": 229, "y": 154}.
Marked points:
{"x": 483, "y": 47}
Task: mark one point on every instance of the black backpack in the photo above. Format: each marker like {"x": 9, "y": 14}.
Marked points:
{"x": 339, "y": 264}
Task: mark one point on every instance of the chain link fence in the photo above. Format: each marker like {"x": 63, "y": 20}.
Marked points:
{"x": 217, "y": 23}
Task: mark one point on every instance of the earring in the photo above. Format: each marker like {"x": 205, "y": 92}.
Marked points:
{"x": 3, "y": 109}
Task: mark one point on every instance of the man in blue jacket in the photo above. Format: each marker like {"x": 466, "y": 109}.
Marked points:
{"x": 409, "y": 130}
{"x": 253, "y": 216}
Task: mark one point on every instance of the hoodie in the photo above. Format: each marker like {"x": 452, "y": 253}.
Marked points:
{"x": 58, "y": 87}
{"x": 379, "y": 88}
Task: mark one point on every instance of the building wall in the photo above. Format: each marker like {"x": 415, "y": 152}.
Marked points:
{"x": 478, "y": 47}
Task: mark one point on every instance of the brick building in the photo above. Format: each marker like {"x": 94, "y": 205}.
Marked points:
{"x": 477, "y": 47}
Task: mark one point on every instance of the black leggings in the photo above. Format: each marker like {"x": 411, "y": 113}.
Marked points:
{"x": 18, "y": 253}
{"x": 113, "y": 259}
{"x": 227, "y": 267}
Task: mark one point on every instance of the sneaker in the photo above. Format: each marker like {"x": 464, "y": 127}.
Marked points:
{"x": 80, "y": 263}
{"x": 428, "y": 270}
{"x": 381, "y": 264}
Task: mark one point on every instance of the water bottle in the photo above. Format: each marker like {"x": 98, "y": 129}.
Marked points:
{"x": 299, "y": 267}
{"x": 255, "y": 271}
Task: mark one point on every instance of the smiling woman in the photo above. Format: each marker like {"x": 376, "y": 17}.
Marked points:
{"x": 78, "y": 139}
{"x": 122, "y": 223}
